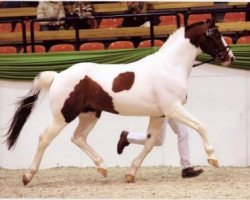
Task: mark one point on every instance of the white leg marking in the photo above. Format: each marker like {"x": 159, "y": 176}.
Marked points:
{"x": 154, "y": 130}
{"x": 87, "y": 122}
{"x": 44, "y": 140}
{"x": 182, "y": 115}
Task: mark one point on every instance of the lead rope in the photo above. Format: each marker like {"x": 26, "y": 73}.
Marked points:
{"x": 207, "y": 61}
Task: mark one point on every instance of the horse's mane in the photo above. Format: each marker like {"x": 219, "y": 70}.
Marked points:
{"x": 187, "y": 28}
{"x": 178, "y": 33}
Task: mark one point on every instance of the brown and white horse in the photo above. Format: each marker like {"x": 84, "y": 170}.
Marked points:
{"x": 154, "y": 86}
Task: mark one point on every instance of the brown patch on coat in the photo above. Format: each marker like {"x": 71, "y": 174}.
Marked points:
{"x": 123, "y": 81}
{"x": 87, "y": 96}
{"x": 194, "y": 32}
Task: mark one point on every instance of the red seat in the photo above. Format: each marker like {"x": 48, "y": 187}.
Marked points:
{"x": 167, "y": 20}
{"x": 38, "y": 49}
{"x": 170, "y": 20}
{"x": 8, "y": 50}
{"x": 147, "y": 43}
{"x": 111, "y": 23}
{"x": 92, "y": 46}
{"x": 244, "y": 40}
{"x": 198, "y": 18}
{"x": 18, "y": 27}
{"x": 228, "y": 40}
{"x": 235, "y": 17}
{"x": 5, "y": 27}
{"x": 62, "y": 47}
{"x": 121, "y": 45}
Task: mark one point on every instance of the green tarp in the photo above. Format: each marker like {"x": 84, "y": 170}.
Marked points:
{"x": 27, "y": 66}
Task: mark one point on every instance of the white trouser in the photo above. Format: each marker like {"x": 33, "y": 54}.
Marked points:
{"x": 178, "y": 128}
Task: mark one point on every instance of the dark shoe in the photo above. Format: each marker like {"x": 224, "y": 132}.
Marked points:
{"x": 191, "y": 172}
{"x": 123, "y": 142}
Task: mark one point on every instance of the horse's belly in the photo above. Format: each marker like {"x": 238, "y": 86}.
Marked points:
{"x": 138, "y": 109}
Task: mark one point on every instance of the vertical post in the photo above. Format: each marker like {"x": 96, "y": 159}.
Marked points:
{"x": 178, "y": 20}
{"x": 186, "y": 15}
{"x": 32, "y": 36}
{"x": 24, "y": 36}
{"x": 151, "y": 32}
{"x": 77, "y": 35}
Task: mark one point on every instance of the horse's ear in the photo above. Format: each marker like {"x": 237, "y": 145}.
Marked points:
{"x": 211, "y": 22}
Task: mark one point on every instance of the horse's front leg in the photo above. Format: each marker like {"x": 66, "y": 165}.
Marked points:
{"x": 153, "y": 133}
{"x": 179, "y": 113}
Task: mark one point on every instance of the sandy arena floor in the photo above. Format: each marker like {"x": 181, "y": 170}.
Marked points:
{"x": 151, "y": 182}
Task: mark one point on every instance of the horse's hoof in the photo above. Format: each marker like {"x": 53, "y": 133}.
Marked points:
{"x": 25, "y": 180}
{"x": 213, "y": 162}
{"x": 129, "y": 178}
{"x": 102, "y": 171}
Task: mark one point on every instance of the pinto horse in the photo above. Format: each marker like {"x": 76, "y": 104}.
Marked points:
{"x": 86, "y": 89}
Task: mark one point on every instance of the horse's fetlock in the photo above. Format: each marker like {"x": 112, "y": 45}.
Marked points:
{"x": 98, "y": 161}
{"x": 209, "y": 149}
{"x": 136, "y": 164}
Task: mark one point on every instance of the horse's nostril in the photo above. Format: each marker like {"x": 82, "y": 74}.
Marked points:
{"x": 232, "y": 59}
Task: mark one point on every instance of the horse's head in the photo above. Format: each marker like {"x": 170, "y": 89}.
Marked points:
{"x": 208, "y": 38}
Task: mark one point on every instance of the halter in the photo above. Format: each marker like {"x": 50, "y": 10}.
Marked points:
{"x": 219, "y": 53}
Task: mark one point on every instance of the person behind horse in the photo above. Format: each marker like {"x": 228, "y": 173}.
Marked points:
{"x": 50, "y": 9}
{"x": 83, "y": 10}
{"x": 179, "y": 129}
{"x": 136, "y": 7}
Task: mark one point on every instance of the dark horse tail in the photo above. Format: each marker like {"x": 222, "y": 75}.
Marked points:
{"x": 41, "y": 83}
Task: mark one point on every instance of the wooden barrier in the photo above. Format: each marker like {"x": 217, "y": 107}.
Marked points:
{"x": 243, "y": 4}
{"x": 18, "y": 12}
{"x": 101, "y": 34}
{"x": 176, "y": 5}
{"x": 88, "y": 33}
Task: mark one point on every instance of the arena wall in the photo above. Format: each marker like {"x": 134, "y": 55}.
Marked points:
{"x": 219, "y": 97}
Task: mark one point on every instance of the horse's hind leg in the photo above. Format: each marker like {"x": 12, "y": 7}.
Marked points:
{"x": 86, "y": 123}
{"x": 153, "y": 133}
{"x": 44, "y": 140}
{"x": 182, "y": 115}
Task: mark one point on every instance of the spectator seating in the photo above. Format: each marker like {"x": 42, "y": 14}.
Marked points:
{"x": 121, "y": 45}
{"x": 235, "y": 17}
{"x": 244, "y": 40}
{"x": 5, "y": 27}
{"x": 228, "y": 40}
{"x": 92, "y": 46}
{"x": 170, "y": 20}
{"x": 18, "y": 27}
{"x": 38, "y": 49}
{"x": 198, "y": 18}
{"x": 111, "y": 23}
{"x": 147, "y": 43}
{"x": 7, "y": 50}
{"x": 62, "y": 47}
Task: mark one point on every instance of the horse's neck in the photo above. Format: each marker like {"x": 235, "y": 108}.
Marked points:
{"x": 179, "y": 53}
